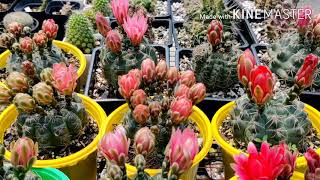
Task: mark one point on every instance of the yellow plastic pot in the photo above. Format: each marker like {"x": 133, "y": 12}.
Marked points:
{"x": 295, "y": 176}
{"x": 64, "y": 46}
{"x": 80, "y": 165}
{"x": 228, "y": 151}
{"x": 197, "y": 116}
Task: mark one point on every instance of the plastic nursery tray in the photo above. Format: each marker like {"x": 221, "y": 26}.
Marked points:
{"x": 310, "y": 98}
{"x": 110, "y": 104}
{"x": 241, "y": 29}
{"x": 167, "y": 23}
{"x": 210, "y": 104}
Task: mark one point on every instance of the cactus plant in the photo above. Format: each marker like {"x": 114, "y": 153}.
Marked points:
{"x": 20, "y": 17}
{"x": 24, "y": 152}
{"x": 148, "y": 5}
{"x": 102, "y": 6}
{"x": 50, "y": 113}
{"x": 80, "y": 33}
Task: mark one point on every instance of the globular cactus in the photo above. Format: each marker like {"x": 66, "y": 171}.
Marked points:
{"x": 102, "y": 6}
{"x": 20, "y": 17}
{"x": 80, "y": 33}
{"x": 148, "y": 5}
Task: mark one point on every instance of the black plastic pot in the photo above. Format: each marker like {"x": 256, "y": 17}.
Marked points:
{"x": 155, "y": 23}
{"x": 111, "y": 104}
{"x": 61, "y": 20}
{"x": 310, "y": 98}
{"x": 10, "y": 9}
{"x": 22, "y": 4}
{"x": 241, "y": 29}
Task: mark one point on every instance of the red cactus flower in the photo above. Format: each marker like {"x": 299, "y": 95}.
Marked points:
{"x": 306, "y": 73}
{"x": 136, "y": 73}
{"x": 135, "y": 28}
{"x": 187, "y": 78}
{"x": 181, "y": 150}
{"x": 115, "y": 146}
{"x": 40, "y": 39}
{"x": 144, "y": 141}
{"x": 65, "y": 78}
{"x": 304, "y": 19}
{"x": 268, "y": 164}
{"x": 138, "y": 97}
{"x": 215, "y": 32}
{"x": 113, "y": 41}
{"x": 246, "y": 63}
{"x": 141, "y": 114}
{"x": 120, "y": 10}
{"x": 173, "y": 75}
{"x": 50, "y": 28}
{"x": 23, "y": 150}
{"x": 261, "y": 84}
{"x": 148, "y": 70}
{"x": 127, "y": 85}
{"x": 15, "y": 28}
{"x": 26, "y": 45}
{"x": 155, "y": 109}
{"x": 102, "y": 24}
{"x": 313, "y": 161}
{"x": 289, "y": 161}
{"x": 180, "y": 110}
{"x": 316, "y": 21}
{"x": 161, "y": 70}
{"x": 197, "y": 93}
{"x": 181, "y": 91}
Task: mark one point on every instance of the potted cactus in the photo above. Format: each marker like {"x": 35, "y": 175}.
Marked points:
{"x": 160, "y": 99}
{"x": 38, "y": 51}
{"x": 124, "y": 49}
{"x": 51, "y": 114}
{"x": 266, "y": 112}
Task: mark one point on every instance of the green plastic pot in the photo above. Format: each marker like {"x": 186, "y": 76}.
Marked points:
{"x": 50, "y": 174}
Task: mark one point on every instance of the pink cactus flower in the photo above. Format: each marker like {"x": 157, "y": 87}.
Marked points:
{"x": 161, "y": 70}
{"x": 138, "y": 97}
{"x": 102, "y": 24}
{"x": 306, "y": 73}
{"x": 155, "y": 109}
{"x": 50, "y": 28}
{"x": 187, "y": 78}
{"x": 197, "y": 93}
{"x": 65, "y": 78}
{"x": 23, "y": 150}
{"x": 173, "y": 75}
{"x": 246, "y": 63}
{"x": 141, "y": 114}
{"x": 181, "y": 91}
{"x": 135, "y": 28}
{"x": 128, "y": 84}
{"x": 144, "y": 141}
{"x": 40, "y": 39}
{"x": 289, "y": 161}
{"x": 180, "y": 110}
{"x": 15, "y": 28}
{"x": 115, "y": 146}
{"x": 120, "y": 10}
{"x": 313, "y": 161}
{"x": 148, "y": 70}
{"x": 26, "y": 45}
{"x": 113, "y": 41}
{"x": 181, "y": 150}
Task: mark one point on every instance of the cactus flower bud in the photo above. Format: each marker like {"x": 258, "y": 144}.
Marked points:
{"x": 120, "y": 10}
{"x": 313, "y": 161}
{"x": 17, "y": 82}
{"x": 15, "y": 28}
{"x": 42, "y": 93}
{"x": 135, "y": 28}
{"x": 24, "y": 102}
{"x": 5, "y": 96}
{"x": 215, "y": 32}
{"x": 148, "y": 70}
{"x": 289, "y": 161}
{"x": 187, "y": 78}
{"x": 197, "y": 93}
{"x": 181, "y": 150}
{"x": 306, "y": 73}
{"x": 246, "y": 63}
{"x": 128, "y": 83}
{"x": 23, "y": 151}
{"x": 316, "y": 33}
{"x": 40, "y": 39}
{"x": 26, "y": 45}
{"x": 173, "y": 75}
{"x": 304, "y": 20}
{"x": 65, "y": 78}
{"x": 141, "y": 114}
{"x": 155, "y": 109}
{"x": 115, "y": 146}
{"x": 316, "y": 21}
{"x": 28, "y": 69}
{"x": 144, "y": 141}
{"x": 136, "y": 73}
{"x": 181, "y": 91}
{"x": 138, "y": 97}
{"x": 113, "y": 41}
{"x": 261, "y": 84}
{"x": 46, "y": 75}
{"x": 180, "y": 110}
{"x": 102, "y": 24}
{"x": 161, "y": 70}
{"x": 50, "y": 28}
